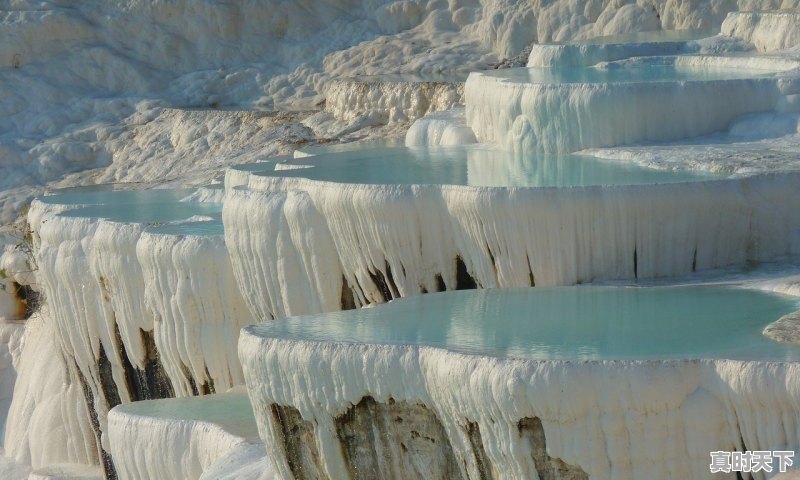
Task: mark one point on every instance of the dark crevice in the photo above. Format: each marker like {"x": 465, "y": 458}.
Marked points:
{"x": 27, "y": 300}
{"x": 298, "y": 442}
{"x": 157, "y": 381}
{"x": 440, "y": 285}
{"x": 476, "y": 442}
{"x": 531, "y": 277}
{"x": 107, "y": 463}
{"x": 547, "y": 467}
{"x": 348, "y": 301}
{"x": 464, "y": 281}
{"x": 107, "y": 384}
{"x": 207, "y": 388}
{"x": 491, "y": 257}
{"x": 383, "y": 286}
{"x": 190, "y": 379}
{"x": 694, "y": 260}
{"x": 635, "y": 263}
{"x": 152, "y": 382}
{"x": 392, "y": 285}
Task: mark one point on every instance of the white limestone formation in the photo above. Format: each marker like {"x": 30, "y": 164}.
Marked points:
{"x": 299, "y": 246}
{"x": 448, "y": 128}
{"x": 767, "y": 31}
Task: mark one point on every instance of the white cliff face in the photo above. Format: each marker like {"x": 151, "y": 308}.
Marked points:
{"x": 198, "y": 310}
{"x": 48, "y": 420}
{"x": 135, "y": 315}
{"x": 378, "y": 242}
{"x": 609, "y": 419}
{"x": 391, "y": 99}
{"x": 767, "y": 31}
{"x": 300, "y": 272}
{"x": 12, "y": 333}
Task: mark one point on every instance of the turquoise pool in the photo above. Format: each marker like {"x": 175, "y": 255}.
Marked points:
{"x": 476, "y": 166}
{"x": 566, "y": 323}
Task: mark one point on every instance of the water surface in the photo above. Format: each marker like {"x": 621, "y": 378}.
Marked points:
{"x": 475, "y": 166}
{"x": 566, "y": 323}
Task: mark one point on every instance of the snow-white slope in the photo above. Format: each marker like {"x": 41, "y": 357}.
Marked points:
{"x": 83, "y": 84}
{"x": 767, "y": 31}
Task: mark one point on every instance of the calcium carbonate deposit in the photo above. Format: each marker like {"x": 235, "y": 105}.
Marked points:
{"x": 399, "y": 239}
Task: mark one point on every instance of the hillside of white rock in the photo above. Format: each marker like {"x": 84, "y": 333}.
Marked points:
{"x": 109, "y": 298}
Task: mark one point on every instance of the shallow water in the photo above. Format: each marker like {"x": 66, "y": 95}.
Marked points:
{"x": 202, "y": 228}
{"x": 621, "y": 73}
{"x": 566, "y": 323}
{"x": 476, "y": 166}
{"x": 111, "y": 194}
{"x": 138, "y": 206}
{"x": 232, "y": 410}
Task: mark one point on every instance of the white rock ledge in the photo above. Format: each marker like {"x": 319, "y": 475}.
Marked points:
{"x": 767, "y": 31}
{"x": 567, "y": 117}
{"x": 593, "y": 51}
{"x": 300, "y": 246}
{"x": 786, "y": 329}
{"x": 188, "y": 438}
{"x": 448, "y": 128}
{"x": 391, "y": 100}
{"x": 609, "y": 419}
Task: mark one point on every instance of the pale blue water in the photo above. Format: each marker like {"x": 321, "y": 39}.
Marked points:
{"x": 204, "y": 228}
{"x": 108, "y": 194}
{"x": 566, "y": 323}
{"x": 232, "y": 410}
{"x": 477, "y": 166}
{"x": 151, "y": 212}
{"x": 617, "y": 73}
{"x": 140, "y": 206}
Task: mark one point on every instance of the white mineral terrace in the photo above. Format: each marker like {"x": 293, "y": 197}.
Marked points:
{"x": 375, "y": 242}
{"x": 212, "y": 437}
{"x": 267, "y": 288}
{"x": 581, "y": 53}
{"x": 616, "y": 103}
{"x": 560, "y": 379}
{"x": 147, "y": 307}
